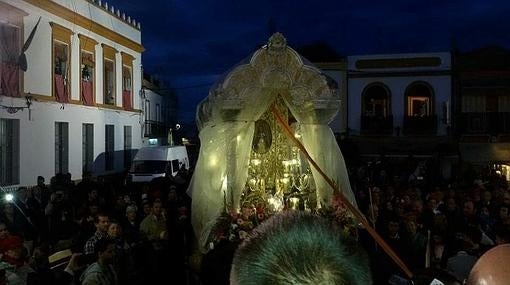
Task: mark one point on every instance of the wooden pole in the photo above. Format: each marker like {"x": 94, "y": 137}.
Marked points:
{"x": 379, "y": 240}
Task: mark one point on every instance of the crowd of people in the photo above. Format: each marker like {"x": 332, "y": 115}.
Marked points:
{"x": 439, "y": 227}
{"x": 114, "y": 234}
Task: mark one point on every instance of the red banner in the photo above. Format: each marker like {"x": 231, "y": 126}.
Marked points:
{"x": 9, "y": 83}
{"x": 126, "y": 100}
{"x": 87, "y": 93}
{"x": 61, "y": 92}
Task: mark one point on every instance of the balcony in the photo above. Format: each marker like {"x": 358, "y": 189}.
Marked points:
{"x": 377, "y": 125}
{"x": 420, "y": 125}
{"x": 492, "y": 123}
{"x": 155, "y": 129}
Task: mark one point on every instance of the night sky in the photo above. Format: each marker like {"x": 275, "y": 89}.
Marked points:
{"x": 190, "y": 43}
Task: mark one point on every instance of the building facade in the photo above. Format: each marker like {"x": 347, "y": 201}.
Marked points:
{"x": 400, "y": 94}
{"x": 482, "y": 92}
{"x": 71, "y": 79}
{"x": 399, "y": 105}
{"x": 160, "y": 112}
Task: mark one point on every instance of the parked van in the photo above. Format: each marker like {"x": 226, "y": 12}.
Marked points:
{"x": 158, "y": 161}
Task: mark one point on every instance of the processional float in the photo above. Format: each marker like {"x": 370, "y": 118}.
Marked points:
{"x": 265, "y": 141}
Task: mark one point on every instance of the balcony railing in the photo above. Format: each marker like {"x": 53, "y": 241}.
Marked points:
{"x": 376, "y": 125}
{"x": 420, "y": 125}
{"x": 483, "y": 123}
{"x": 155, "y": 129}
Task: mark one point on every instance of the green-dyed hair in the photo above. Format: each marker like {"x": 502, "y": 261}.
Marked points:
{"x": 299, "y": 248}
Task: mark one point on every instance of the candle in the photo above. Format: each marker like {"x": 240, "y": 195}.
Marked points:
{"x": 294, "y": 203}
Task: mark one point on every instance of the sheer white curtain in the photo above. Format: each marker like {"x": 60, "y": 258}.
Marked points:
{"x": 226, "y": 123}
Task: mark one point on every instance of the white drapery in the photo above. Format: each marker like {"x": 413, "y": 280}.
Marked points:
{"x": 226, "y": 122}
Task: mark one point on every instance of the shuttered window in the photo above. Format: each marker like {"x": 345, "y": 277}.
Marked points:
{"x": 61, "y": 147}
{"x": 9, "y": 152}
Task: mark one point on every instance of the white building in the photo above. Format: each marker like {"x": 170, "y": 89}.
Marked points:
{"x": 77, "y": 105}
{"x": 160, "y": 112}
{"x": 400, "y": 94}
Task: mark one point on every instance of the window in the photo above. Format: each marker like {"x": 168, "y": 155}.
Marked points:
{"x": 109, "y": 75}
{"x": 61, "y": 62}
{"x": 127, "y": 81}
{"x": 418, "y": 106}
{"x": 127, "y": 100}
{"x": 9, "y": 152}
{"x": 87, "y": 147}
{"x": 87, "y": 69}
{"x": 376, "y": 101}
{"x": 419, "y": 100}
{"x": 61, "y": 147}
{"x": 158, "y": 113}
{"x": 109, "y": 82}
{"x": 147, "y": 115}
{"x": 109, "y": 147}
{"x": 504, "y": 103}
{"x": 147, "y": 110}
{"x": 127, "y": 146}
{"x": 11, "y": 35}
{"x": 473, "y": 103}
{"x": 175, "y": 165}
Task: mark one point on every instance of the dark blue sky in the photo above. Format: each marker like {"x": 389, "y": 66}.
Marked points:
{"x": 189, "y": 43}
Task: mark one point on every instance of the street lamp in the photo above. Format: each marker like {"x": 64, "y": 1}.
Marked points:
{"x": 170, "y": 138}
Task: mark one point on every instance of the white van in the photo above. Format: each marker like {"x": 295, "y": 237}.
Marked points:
{"x": 158, "y": 161}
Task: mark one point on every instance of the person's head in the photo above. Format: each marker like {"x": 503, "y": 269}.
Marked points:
{"x": 4, "y": 232}
{"x": 506, "y": 198}
{"x": 146, "y": 208}
{"x": 503, "y": 212}
{"x": 114, "y": 230}
{"x": 486, "y": 196}
{"x": 298, "y": 248}
{"x": 102, "y": 222}
{"x": 502, "y": 233}
{"x": 431, "y": 204}
{"x": 172, "y": 193}
{"x": 40, "y": 180}
{"x": 468, "y": 208}
{"x": 451, "y": 205}
{"x": 393, "y": 226}
{"x": 93, "y": 194}
{"x": 157, "y": 208}
{"x": 418, "y": 206}
{"x": 131, "y": 213}
{"x": 104, "y": 250}
{"x": 93, "y": 209}
{"x": 490, "y": 267}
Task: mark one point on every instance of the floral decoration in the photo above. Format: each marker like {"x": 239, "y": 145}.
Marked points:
{"x": 235, "y": 227}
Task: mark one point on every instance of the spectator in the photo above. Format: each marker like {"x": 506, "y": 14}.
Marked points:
{"x": 102, "y": 223}
{"x": 153, "y": 227}
{"x": 101, "y": 272}
{"x": 298, "y": 248}
{"x": 485, "y": 271}
{"x": 131, "y": 226}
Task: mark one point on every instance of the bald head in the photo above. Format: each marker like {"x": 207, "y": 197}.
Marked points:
{"x": 491, "y": 267}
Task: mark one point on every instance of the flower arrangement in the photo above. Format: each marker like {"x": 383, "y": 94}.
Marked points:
{"x": 340, "y": 216}
{"x": 235, "y": 226}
